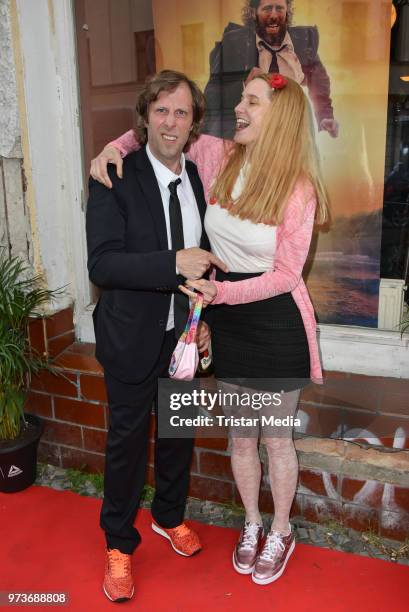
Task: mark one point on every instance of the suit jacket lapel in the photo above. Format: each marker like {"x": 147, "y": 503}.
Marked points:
{"x": 197, "y": 187}
{"x": 197, "y": 190}
{"x": 149, "y": 186}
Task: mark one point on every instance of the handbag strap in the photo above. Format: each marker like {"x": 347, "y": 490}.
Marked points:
{"x": 196, "y": 305}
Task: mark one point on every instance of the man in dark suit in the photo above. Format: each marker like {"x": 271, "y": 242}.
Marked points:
{"x": 145, "y": 236}
{"x": 266, "y": 43}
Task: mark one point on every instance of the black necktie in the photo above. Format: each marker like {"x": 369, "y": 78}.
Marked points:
{"x": 181, "y": 303}
{"x": 274, "y": 62}
{"x": 175, "y": 217}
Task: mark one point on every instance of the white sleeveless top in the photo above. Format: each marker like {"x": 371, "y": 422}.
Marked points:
{"x": 244, "y": 246}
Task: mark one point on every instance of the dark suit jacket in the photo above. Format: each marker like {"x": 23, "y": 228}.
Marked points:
{"x": 236, "y": 54}
{"x": 129, "y": 260}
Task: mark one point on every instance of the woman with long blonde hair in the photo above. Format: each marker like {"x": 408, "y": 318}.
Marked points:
{"x": 264, "y": 192}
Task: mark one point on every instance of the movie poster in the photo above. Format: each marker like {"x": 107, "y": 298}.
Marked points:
{"x": 339, "y": 52}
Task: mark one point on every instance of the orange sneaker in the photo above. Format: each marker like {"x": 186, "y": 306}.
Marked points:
{"x": 118, "y": 584}
{"x": 184, "y": 540}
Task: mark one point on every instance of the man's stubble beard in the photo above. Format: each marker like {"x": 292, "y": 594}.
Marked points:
{"x": 275, "y": 40}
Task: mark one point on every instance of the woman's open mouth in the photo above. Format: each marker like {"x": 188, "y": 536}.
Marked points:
{"x": 241, "y": 124}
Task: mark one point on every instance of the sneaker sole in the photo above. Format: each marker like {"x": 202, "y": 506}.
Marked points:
{"x": 120, "y": 599}
{"x": 239, "y": 570}
{"x": 163, "y": 533}
{"x": 276, "y": 576}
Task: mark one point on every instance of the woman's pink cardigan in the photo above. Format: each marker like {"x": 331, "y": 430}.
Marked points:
{"x": 293, "y": 242}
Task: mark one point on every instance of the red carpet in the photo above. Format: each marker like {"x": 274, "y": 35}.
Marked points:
{"x": 51, "y": 541}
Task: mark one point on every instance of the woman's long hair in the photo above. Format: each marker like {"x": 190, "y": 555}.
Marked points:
{"x": 285, "y": 153}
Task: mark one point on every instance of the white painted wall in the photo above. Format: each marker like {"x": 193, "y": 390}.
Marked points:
{"x": 10, "y": 145}
{"x": 361, "y": 350}
{"x": 15, "y": 231}
{"x": 47, "y": 44}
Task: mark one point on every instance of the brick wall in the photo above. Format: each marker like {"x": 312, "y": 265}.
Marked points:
{"x": 361, "y": 480}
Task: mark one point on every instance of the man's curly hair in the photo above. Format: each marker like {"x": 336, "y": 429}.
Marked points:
{"x": 168, "y": 80}
{"x": 249, "y": 9}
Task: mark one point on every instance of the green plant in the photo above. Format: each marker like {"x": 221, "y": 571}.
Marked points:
{"x": 148, "y": 493}
{"x": 21, "y": 296}
{"x": 79, "y": 479}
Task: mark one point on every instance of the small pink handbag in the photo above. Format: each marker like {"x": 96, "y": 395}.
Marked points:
{"x": 185, "y": 357}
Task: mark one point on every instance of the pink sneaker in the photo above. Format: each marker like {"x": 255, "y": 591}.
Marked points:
{"x": 247, "y": 548}
{"x": 273, "y": 558}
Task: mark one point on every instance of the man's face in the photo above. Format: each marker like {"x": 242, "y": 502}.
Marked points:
{"x": 271, "y": 21}
{"x": 170, "y": 119}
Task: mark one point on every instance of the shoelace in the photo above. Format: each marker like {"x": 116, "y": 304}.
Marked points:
{"x": 249, "y": 536}
{"x": 119, "y": 563}
{"x": 272, "y": 545}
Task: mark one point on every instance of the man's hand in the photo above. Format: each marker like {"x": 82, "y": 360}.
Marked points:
{"x": 331, "y": 126}
{"x": 194, "y": 262}
{"x": 203, "y": 337}
{"x": 254, "y": 72}
{"x": 98, "y": 171}
{"x": 206, "y": 287}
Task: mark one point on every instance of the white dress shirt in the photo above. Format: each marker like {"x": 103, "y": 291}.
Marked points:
{"x": 192, "y": 224}
{"x": 288, "y": 63}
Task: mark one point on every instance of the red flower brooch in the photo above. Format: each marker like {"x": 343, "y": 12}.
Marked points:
{"x": 278, "y": 81}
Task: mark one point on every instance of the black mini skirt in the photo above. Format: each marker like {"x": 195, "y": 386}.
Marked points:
{"x": 263, "y": 340}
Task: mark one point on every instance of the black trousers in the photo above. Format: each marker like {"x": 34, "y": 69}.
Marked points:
{"x": 130, "y": 408}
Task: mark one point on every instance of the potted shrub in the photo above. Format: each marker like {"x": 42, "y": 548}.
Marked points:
{"x": 21, "y": 297}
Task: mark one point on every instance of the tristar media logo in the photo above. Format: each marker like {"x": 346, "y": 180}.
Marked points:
{"x": 14, "y": 471}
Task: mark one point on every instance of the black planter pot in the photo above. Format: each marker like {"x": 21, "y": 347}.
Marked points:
{"x": 18, "y": 458}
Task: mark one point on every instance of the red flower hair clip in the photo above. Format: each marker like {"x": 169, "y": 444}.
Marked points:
{"x": 277, "y": 81}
